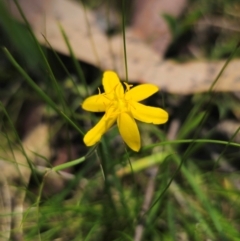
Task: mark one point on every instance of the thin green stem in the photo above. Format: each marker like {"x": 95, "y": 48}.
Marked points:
{"x": 175, "y": 142}
{"x": 39, "y": 91}
{"x": 124, "y": 38}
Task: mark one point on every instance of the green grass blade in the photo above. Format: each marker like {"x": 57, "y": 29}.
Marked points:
{"x": 39, "y": 91}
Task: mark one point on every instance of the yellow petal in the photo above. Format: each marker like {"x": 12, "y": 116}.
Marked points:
{"x": 110, "y": 81}
{"x": 119, "y": 91}
{"x": 94, "y": 135}
{"x": 141, "y": 92}
{"x": 148, "y": 114}
{"x": 95, "y": 103}
{"x": 129, "y": 131}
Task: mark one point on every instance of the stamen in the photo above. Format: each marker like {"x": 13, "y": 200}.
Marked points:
{"x": 128, "y": 87}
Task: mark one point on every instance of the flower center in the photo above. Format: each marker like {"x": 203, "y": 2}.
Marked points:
{"x": 122, "y": 105}
{"x": 118, "y": 104}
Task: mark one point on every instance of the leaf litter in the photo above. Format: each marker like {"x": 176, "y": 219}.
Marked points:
{"x": 146, "y": 62}
{"x": 144, "y": 51}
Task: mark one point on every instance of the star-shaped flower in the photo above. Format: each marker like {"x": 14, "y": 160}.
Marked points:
{"x": 122, "y": 106}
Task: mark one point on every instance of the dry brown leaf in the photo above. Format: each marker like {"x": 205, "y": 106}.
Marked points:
{"x": 193, "y": 77}
{"x": 230, "y": 128}
{"x": 149, "y": 24}
{"x": 144, "y": 64}
{"x": 15, "y": 175}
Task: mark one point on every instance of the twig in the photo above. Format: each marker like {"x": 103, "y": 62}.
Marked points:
{"x": 146, "y": 204}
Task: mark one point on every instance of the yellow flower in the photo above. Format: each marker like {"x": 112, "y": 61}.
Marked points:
{"x": 123, "y": 107}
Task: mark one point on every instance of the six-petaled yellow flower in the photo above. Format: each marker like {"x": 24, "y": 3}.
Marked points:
{"x": 122, "y": 106}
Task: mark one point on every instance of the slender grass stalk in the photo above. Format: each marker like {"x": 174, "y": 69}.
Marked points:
{"x": 101, "y": 201}
{"x": 73, "y": 57}
{"x": 20, "y": 144}
{"x": 39, "y": 91}
{"x": 124, "y": 38}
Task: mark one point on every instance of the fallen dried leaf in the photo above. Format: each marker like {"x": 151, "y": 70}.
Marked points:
{"x": 149, "y": 24}
{"x": 144, "y": 64}
{"x": 196, "y": 76}
{"x": 15, "y": 175}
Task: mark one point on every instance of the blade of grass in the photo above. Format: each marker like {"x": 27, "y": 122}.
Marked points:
{"x": 91, "y": 36}
{"x": 75, "y": 62}
{"x": 176, "y": 142}
{"x": 191, "y": 125}
{"x": 142, "y": 163}
{"x": 68, "y": 164}
{"x": 20, "y": 143}
{"x": 198, "y": 106}
{"x": 45, "y": 61}
{"x": 62, "y": 64}
{"x": 39, "y": 91}
{"x": 124, "y": 38}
